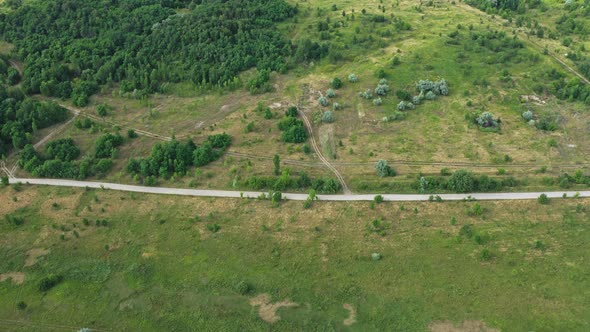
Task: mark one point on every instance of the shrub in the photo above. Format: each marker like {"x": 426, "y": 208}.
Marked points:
{"x": 291, "y": 112}
{"x": 382, "y": 89}
{"x": 102, "y": 110}
{"x": 213, "y": 228}
{"x": 330, "y": 93}
{"x": 461, "y": 181}
{"x": 352, "y": 78}
{"x": 336, "y": 83}
{"x": 376, "y": 256}
{"x": 430, "y": 95}
{"x": 543, "y": 199}
{"x": 336, "y": 106}
{"x": 377, "y": 101}
{"x": 328, "y": 117}
{"x": 378, "y": 199}
{"x": 404, "y": 105}
{"x": 14, "y": 220}
{"x": 367, "y": 94}
{"x": 21, "y": 305}
{"x": 485, "y": 255}
{"x": 487, "y": 120}
{"x": 131, "y": 133}
{"x": 323, "y": 101}
{"x": 49, "y": 282}
{"x": 5, "y": 180}
{"x": 243, "y": 288}
{"x": 383, "y": 169}
{"x": 466, "y": 231}
{"x": 403, "y": 95}
{"x": 527, "y": 115}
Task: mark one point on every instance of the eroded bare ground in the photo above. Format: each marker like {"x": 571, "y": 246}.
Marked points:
{"x": 351, "y": 314}
{"x": 16, "y": 277}
{"x": 34, "y": 254}
{"x": 267, "y": 310}
{"x": 466, "y": 326}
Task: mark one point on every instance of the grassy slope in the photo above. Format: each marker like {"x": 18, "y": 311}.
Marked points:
{"x": 177, "y": 275}
{"x": 435, "y": 131}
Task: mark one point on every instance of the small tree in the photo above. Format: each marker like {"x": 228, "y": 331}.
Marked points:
{"x": 352, "y": 78}
{"x": 291, "y": 112}
{"x": 336, "y": 83}
{"x": 102, "y": 110}
{"x": 383, "y": 169}
{"x": 276, "y": 160}
{"x": 543, "y": 199}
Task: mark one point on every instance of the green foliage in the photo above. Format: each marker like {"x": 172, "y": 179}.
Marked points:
{"x": 527, "y": 115}
{"x": 213, "y": 228}
{"x": 352, "y": 78}
{"x": 84, "y": 123}
{"x": 49, "y": 282}
{"x": 62, "y": 149}
{"x": 292, "y": 112}
{"x": 32, "y": 115}
{"x": 323, "y": 101}
{"x": 377, "y": 101}
{"x": 143, "y": 44}
{"x": 293, "y": 130}
{"x": 543, "y": 199}
{"x": 405, "y": 105}
{"x": 131, "y": 133}
{"x": 14, "y": 220}
{"x": 175, "y": 158}
{"x": 336, "y": 83}
{"x": 5, "y": 181}
{"x": 328, "y": 117}
{"x": 383, "y": 169}
{"x": 102, "y": 110}
{"x": 330, "y": 93}
{"x": 378, "y": 199}
{"x": 105, "y": 145}
{"x": 462, "y": 181}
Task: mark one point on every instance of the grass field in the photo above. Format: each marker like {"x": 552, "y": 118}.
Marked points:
{"x": 176, "y": 263}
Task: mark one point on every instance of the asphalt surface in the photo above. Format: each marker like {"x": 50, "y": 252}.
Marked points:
{"x": 291, "y": 196}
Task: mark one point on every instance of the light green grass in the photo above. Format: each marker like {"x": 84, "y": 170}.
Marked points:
{"x": 164, "y": 270}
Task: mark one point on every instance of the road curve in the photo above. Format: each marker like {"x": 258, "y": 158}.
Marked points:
{"x": 291, "y": 196}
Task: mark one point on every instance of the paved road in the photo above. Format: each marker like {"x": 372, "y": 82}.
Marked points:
{"x": 295, "y": 197}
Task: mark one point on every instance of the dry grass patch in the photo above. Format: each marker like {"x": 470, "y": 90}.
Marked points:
{"x": 16, "y": 277}
{"x": 466, "y": 326}
{"x": 351, "y": 314}
{"x": 267, "y": 310}
{"x": 34, "y": 254}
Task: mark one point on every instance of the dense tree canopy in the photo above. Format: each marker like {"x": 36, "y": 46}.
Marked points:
{"x": 71, "y": 47}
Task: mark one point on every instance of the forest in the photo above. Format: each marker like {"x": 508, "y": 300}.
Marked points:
{"x": 72, "y": 47}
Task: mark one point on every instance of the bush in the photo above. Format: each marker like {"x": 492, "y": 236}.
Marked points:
{"x": 377, "y": 101}
{"x": 487, "y": 120}
{"x": 382, "y": 89}
{"x": 543, "y": 199}
{"x": 63, "y": 149}
{"x": 14, "y": 220}
{"x": 330, "y": 93}
{"x": 49, "y": 282}
{"x": 102, "y": 110}
{"x": 376, "y": 256}
{"x": 336, "y": 83}
{"x": 292, "y": 112}
{"x": 105, "y": 145}
{"x": 383, "y": 169}
{"x": 527, "y": 115}
{"x": 336, "y": 106}
{"x": 461, "y": 181}
{"x": 213, "y": 228}
{"x": 323, "y": 101}
{"x": 131, "y": 133}
{"x": 378, "y": 199}
{"x": 5, "y": 180}
{"x": 244, "y": 288}
{"x": 328, "y": 117}
{"x": 366, "y": 94}
{"x": 485, "y": 255}
{"x": 352, "y": 78}
{"x": 404, "y": 105}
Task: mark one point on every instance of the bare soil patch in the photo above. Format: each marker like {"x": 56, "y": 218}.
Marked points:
{"x": 351, "y": 314}
{"x": 34, "y": 254}
{"x": 466, "y": 326}
{"x": 16, "y": 277}
{"x": 267, "y": 310}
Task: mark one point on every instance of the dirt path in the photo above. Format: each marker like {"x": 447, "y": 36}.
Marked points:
{"x": 55, "y": 131}
{"x": 525, "y": 40}
{"x": 314, "y": 143}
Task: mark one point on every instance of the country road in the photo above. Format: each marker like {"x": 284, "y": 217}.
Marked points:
{"x": 291, "y": 196}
